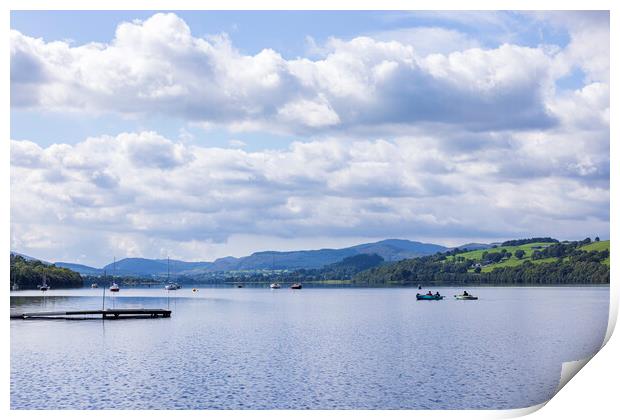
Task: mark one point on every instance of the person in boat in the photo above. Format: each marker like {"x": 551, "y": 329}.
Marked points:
{"x": 465, "y": 293}
{"x": 437, "y": 294}
{"x": 429, "y": 293}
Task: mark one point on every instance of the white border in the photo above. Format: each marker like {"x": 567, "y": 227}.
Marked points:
{"x": 592, "y": 395}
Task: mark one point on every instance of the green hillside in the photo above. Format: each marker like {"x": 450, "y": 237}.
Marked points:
{"x": 520, "y": 262}
{"x": 528, "y": 250}
{"x": 598, "y": 246}
{"x": 29, "y": 274}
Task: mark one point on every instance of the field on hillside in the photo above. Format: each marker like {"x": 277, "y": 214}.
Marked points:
{"x": 528, "y": 249}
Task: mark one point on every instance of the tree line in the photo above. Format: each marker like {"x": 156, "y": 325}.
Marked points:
{"x": 30, "y": 274}
{"x": 573, "y": 266}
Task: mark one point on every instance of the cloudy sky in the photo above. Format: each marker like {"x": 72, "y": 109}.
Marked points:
{"x": 205, "y": 134}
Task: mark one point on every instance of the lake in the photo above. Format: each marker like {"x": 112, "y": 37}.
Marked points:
{"x": 319, "y": 348}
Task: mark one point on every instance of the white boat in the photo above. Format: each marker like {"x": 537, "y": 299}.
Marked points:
{"x": 171, "y": 285}
{"x": 44, "y": 287}
{"x": 94, "y": 286}
{"x": 466, "y": 297}
{"x": 275, "y": 285}
{"x": 114, "y": 287}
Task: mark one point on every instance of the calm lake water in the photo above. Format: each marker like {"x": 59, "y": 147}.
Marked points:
{"x": 310, "y": 349}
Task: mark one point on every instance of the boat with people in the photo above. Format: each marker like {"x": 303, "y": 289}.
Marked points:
{"x": 296, "y": 286}
{"x": 465, "y": 296}
{"x": 275, "y": 285}
{"x": 428, "y": 296}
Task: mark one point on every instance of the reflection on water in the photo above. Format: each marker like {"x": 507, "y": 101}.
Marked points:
{"x": 228, "y": 348}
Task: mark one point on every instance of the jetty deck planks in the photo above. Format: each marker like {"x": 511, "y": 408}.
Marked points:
{"x": 92, "y": 314}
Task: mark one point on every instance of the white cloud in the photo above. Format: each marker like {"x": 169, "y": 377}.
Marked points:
{"x": 448, "y": 140}
{"x": 158, "y": 66}
{"x": 428, "y": 40}
{"x": 239, "y": 144}
{"x": 186, "y": 195}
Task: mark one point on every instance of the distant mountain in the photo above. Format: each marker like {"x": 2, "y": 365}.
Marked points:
{"x": 80, "y": 268}
{"x": 352, "y": 265}
{"x": 145, "y": 266}
{"x": 389, "y": 250}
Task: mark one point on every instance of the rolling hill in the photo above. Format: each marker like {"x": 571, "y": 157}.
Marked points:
{"x": 389, "y": 250}
{"x": 535, "y": 262}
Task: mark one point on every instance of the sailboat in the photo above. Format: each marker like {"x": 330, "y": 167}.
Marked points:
{"x": 44, "y": 287}
{"x": 274, "y": 285}
{"x": 171, "y": 285}
{"x": 114, "y": 287}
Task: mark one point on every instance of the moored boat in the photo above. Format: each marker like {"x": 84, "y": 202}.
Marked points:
{"x": 275, "y": 285}
{"x": 94, "y": 286}
{"x": 296, "y": 286}
{"x": 44, "y": 287}
{"x": 114, "y": 287}
{"x": 172, "y": 286}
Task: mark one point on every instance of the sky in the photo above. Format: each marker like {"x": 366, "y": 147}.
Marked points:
{"x": 198, "y": 135}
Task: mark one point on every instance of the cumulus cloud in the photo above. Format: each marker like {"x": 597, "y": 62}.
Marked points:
{"x": 429, "y": 40}
{"x": 158, "y": 66}
{"x": 405, "y": 186}
{"x": 437, "y": 141}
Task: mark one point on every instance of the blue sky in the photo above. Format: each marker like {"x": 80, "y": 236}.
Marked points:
{"x": 205, "y": 134}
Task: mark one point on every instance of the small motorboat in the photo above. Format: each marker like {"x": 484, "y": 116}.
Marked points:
{"x": 94, "y": 286}
{"x": 275, "y": 285}
{"x": 239, "y": 286}
{"x": 114, "y": 288}
{"x": 194, "y": 290}
{"x": 466, "y": 297}
{"x": 172, "y": 286}
{"x": 436, "y": 296}
{"x": 296, "y": 286}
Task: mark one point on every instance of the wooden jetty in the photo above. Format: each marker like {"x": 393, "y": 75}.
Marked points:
{"x": 104, "y": 314}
